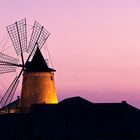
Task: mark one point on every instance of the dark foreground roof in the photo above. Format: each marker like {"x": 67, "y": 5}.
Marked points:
{"x": 73, "y": 119}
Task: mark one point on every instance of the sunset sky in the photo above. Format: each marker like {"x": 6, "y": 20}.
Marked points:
{"x": 94, "y": 44}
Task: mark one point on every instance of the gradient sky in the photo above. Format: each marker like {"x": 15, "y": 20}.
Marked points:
{"x": 94, "y": 44}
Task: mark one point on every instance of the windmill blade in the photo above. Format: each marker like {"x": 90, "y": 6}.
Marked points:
{"x": 18, "y": 35}
{"x": 7, "y": 58}
{"x": 7, "y": 69}
{"x": 7, "y": 63}
{"x": 8, "y": 96}
{"x": 38, "y": 38}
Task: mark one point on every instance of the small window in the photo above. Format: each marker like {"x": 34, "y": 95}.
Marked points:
{"x": 51, "y": 78}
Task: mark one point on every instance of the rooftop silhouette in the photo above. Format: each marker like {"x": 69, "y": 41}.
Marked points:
{"x": 73, "y": 119}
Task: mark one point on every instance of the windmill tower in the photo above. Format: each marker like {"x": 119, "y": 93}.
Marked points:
{"x": 38, "y": 83}
{"x": 38, "y": 79}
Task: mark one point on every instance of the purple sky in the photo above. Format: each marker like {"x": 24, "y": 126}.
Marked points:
{"x": 94, "y": 44}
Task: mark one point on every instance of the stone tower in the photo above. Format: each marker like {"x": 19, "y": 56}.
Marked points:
{"x": 38, "y": 85}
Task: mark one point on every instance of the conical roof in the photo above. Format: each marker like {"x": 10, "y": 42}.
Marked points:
{"x": 38, "y": 63}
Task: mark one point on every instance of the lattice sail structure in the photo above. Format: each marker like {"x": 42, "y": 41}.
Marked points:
{"x": 38, "y": 38}
{"x": 18, "y": 35}
{"x": 6, "y": 99}
{"x": 7, "y": 63}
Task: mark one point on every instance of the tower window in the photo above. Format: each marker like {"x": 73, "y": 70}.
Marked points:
{"x": 52, "y": 78}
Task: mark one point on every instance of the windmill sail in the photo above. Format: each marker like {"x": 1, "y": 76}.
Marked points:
{"x": 7, "y": 63}
{"x": 18, "y": 35}
{"x": 38, "y": 38}
{"x": 6, "y": 99}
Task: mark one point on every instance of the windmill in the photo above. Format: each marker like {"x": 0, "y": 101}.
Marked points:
{"x": 38, "y": 79}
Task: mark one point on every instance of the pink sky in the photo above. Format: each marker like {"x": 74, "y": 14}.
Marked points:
{"x": 95, "y": 45}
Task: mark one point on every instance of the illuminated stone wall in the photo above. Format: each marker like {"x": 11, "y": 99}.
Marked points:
{"x": 38, "y": 87}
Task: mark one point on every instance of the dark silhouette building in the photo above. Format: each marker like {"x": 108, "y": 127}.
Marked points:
{"x": 73, "y": 119}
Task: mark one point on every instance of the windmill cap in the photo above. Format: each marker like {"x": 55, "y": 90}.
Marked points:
{"x": 38, "y": 64}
